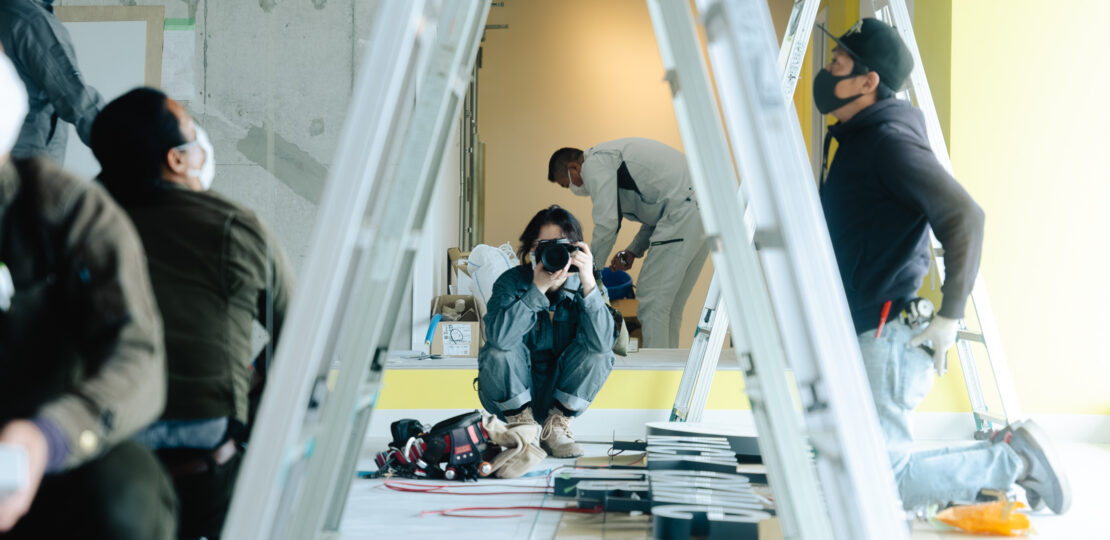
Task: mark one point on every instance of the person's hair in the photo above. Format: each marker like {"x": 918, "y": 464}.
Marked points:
{"x": 859, "y": 68}
{"x": 559, "y": 160}
{"x": 552, "y": 215}
{"x": 130, "y": 138}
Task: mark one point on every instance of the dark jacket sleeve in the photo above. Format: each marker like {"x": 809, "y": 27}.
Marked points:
{"x": 512, "y": 309}
{"x": 118, "y": 328}
{"x": 917, "y": 180}
{"x": 46, "y": 55}
{"x": 256, "y": 257}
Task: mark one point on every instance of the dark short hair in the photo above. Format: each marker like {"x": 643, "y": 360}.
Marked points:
{"x": 559, "y": 161}
{"x": 552, "y": 215}
{"x": 130, "y": 138}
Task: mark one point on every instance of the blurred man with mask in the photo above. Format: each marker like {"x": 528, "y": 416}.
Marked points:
{"x": 648, "y": 182}
{"x": 882, "y": 194}
{"x": 216, "y": 270}
{"x": 82, "y": 367}
{"x": 42, "y": 51}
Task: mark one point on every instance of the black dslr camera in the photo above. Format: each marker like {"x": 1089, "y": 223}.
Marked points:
{"x": 554, "y": 254}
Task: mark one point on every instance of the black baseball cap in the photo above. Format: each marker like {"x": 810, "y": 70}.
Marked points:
{"x": 877, "y": 46}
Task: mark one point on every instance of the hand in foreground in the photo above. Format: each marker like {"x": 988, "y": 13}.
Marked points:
{"x": 936, "y": 339}
{"x": 584, "y": 260}
{"x": 545, "y": 280}
{"x": 26, "y": 435}
{"x": 622, "y": 260}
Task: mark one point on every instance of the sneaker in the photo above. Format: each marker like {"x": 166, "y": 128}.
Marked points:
{"x": 1043, "y": 479}
{"x": 556, "y": 437}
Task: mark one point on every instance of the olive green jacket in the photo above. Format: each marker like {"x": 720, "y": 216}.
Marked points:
{"x": 81, "y": 341}
{"x": 216, "y": 269}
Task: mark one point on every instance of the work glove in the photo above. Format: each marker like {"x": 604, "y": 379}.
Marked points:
{"x": 936, "y": 339}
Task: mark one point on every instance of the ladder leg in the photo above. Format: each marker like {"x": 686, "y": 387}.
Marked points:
{"x": 328, "y": 369}
{"x": 895, "y": 11}
{"x": 697, "y": 377}
{"x": 794, "y": 263}
{"x": 699, "y": 354}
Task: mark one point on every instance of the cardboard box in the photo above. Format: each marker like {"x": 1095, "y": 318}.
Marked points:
{"x": 456, "y": 264}
{"x": 462, "y": 337}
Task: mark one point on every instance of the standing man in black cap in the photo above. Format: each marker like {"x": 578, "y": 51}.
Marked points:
{"x": 883, "y": 192}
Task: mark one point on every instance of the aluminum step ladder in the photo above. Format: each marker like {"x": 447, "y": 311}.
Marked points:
{"x": 785, "y": 296}
{"x": 296, "y": 475}
{"x": 705, "y": 351}
{"x": 697, "y": 377}
{"x": 983, "y": 335}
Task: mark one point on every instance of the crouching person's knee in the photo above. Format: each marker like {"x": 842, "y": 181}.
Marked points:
{"x": 137, "y": 499}
{"x": 503, "y": 378}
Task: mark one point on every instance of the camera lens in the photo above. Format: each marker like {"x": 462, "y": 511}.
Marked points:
{"x": 554, "y": 257}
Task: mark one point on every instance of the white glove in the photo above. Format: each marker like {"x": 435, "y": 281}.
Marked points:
{"x": 939, "y": 336}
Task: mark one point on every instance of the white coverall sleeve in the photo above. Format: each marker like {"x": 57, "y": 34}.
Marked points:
{"x": 599, "y": 174}
{"x": 642, "y": 241}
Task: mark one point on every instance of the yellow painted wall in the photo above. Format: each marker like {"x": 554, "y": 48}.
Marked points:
{"x": 1029, "y": 135}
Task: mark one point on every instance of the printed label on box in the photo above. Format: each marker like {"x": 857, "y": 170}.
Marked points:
{"x": 456, "y": 339}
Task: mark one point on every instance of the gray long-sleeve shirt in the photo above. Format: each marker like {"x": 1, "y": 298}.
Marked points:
{"x": 40, "y": 47}
{"x": 662, "y": 180}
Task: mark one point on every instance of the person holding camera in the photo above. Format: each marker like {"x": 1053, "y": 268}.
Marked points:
{"x": 549, "y": 333}
{"x": 648, "y": 182}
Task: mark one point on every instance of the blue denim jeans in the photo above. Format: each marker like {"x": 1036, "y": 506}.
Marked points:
{"x": 510, "y": 379}
{"x": 900, "y": 377}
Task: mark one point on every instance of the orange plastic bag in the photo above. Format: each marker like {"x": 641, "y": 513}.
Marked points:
{"x": 999, "y": 517}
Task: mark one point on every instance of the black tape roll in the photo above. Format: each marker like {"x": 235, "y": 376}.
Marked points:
{"x": 681, "y": 522}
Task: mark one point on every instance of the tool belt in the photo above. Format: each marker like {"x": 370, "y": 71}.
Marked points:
{"x": 917, "y": 313}
{"x": 190, "y": 461}
{"x": 455, "y": 449}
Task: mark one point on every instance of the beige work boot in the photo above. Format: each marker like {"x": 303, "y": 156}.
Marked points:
{"x": 524, "y": 417}
{"x": 556, "y": 437}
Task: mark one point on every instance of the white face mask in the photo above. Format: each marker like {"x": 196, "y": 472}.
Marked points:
{"x": 13, "y": 95}
{"x": 581, "y": 191}
{"x": 207, "y": 172}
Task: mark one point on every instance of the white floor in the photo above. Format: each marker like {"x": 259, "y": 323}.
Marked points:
{"x": 373, "y": 511}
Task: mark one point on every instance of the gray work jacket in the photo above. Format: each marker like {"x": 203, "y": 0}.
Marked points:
{"x": 41, "y": 49}
{"x": 517, "y": 313}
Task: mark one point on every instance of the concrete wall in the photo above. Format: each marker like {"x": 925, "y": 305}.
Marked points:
{"x": 273, "y": 81}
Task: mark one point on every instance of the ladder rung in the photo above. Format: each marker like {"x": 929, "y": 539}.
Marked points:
{"x": 768, "y": 239}
{"x": 991, "y": 418}
{"x": 967, "y": 335}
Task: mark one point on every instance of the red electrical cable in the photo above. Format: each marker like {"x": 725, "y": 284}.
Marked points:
{"x": 452, "y": 512}
{"x": 410, "y": 487}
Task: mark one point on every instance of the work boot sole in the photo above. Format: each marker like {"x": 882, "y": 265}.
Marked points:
{"x": 573, "y": 451}
{"x": 1046, "y": 482}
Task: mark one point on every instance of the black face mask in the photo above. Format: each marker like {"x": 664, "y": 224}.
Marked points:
{"x": 824, "y": 92}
